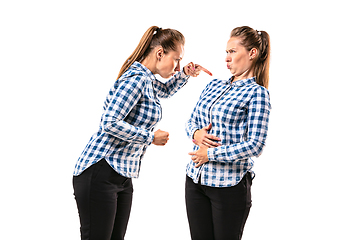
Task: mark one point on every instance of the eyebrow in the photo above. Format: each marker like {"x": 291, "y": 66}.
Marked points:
{"x": 230, "y": 49}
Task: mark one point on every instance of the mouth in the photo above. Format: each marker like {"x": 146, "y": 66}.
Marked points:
{"x": 228, "y": 66}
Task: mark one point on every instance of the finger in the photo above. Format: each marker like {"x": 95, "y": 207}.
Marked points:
{"x": 193, "y": 73}
{"x": 207, "y": 145}
{"x": 191, "y": 153}
{"x": 198, "y": 165}
{"x": 212, "y": 137}
{"x": 211, "y": 144}
{"x": 191, "y": 66}
{"x": 208, "y": 127}
{"x": 195, "y": 142}
{"x": 203, "y": 69}
{"x": 212, "y": 140}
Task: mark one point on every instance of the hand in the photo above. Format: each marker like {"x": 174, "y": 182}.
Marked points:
{"x": 200, "y": 156}
{"x": 204, "y": 138}
{"x": 160, "y": 138}
{"x": 195, "y": 69}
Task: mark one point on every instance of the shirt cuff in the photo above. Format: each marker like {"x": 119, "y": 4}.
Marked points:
{"x": 184, "y": 74}
{"x": 216, "y": 154}
{"x": 210, "y": 154}
{"x": 150, "y": 139}
{"x": 191, "y": 131}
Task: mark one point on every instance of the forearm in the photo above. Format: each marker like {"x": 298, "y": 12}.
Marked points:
{"x": 191, "y": 128}
{"x": 128, "y": 132}
{"x": 235, "y": 152}
{"x": 169, "y": 88}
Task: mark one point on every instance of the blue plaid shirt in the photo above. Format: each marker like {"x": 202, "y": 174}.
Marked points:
{"x": 239, "y": 113}
{"x": 130, "y": 113}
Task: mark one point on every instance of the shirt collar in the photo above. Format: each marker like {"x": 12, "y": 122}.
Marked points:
{"x": 241, "y": 83}
{"x": 140, "y": 67}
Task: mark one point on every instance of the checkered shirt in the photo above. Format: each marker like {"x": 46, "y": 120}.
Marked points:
{"x": 239, "y": 113}
{"x": 130, "y": 113}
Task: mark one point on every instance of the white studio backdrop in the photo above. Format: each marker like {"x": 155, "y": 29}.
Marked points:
{"x": 60, "y": 58}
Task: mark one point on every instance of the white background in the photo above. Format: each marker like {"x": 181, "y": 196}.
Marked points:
{"x": 60, "y": 58}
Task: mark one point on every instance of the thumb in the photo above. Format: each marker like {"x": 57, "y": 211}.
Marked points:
{"x": 208, "y": 127}
{"x": 196, "y": 142}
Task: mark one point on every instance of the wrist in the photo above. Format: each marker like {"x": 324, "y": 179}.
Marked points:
{"x": 193, "y": 136}
{"x": 184, "y": 70}
{"x": 151, "y": 138}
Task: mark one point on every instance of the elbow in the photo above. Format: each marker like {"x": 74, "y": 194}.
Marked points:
{"x": 106, "y": 125}
{"x": 253, "y": 149}
{"x": 258, "y": 148}
{"x": 110, "y": 127}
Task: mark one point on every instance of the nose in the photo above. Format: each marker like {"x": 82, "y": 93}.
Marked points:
{"x": 227, "y": 58}
{"x": 177, "y": 69}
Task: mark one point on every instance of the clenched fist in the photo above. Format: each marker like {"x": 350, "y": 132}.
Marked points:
{"x": 160, "y": 138}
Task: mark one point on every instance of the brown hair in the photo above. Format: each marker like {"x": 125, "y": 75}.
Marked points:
{"x": 168, "y": 39}
{"x": 260, "y": 40}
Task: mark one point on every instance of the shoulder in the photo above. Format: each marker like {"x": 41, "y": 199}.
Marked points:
{"x": 134, "y": 76}
{"x": 260, "y": 95}
{"x": 133, "y": 72}
{"x": 259, "y": 90}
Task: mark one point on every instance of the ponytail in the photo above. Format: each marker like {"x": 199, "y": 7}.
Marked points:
{"x": 139, "y": 50}
{"x": 154, "y": 36}
{"x": 260, "y": 40}
{"x": 262, "y": 63}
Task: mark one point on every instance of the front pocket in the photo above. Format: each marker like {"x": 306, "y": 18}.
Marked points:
{"x": 97, "y": 168}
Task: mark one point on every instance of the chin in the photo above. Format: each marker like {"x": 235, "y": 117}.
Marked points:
{"x": 169, "y": 76}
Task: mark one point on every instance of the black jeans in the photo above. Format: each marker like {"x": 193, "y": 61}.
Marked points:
{"x": 104, "y": 200}
{"x": 218, "y": 213}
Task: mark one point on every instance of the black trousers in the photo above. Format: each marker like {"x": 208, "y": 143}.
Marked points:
{"x": 104, "y": 200}
{"x": 218, "y": 213}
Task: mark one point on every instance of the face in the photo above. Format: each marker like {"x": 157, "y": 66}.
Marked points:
{"x": 238, "y": 59}
{"x": 168, "y": 64}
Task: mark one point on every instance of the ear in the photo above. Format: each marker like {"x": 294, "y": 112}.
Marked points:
{"x": 253, "y": 53}
{"x": 159, "y": 53}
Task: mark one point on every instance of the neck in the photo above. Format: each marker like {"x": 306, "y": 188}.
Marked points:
{"x": 150, "y": 64}
{"x": 244, "y": 75}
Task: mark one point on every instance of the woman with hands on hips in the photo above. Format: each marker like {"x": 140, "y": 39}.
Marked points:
{"x": 102, "y": 176}
{"x": 228, "y": 126}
